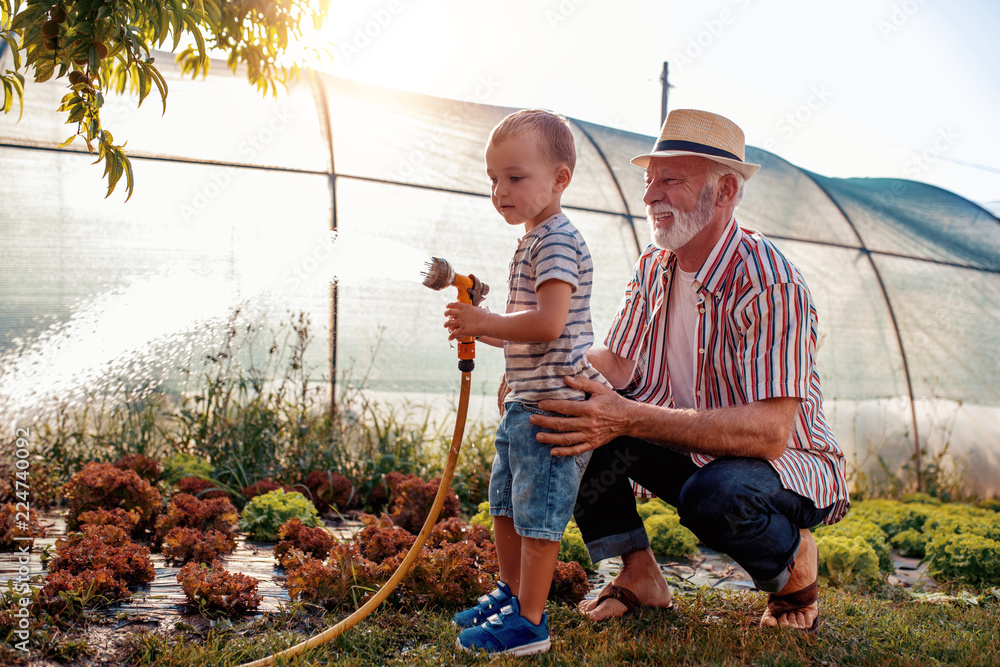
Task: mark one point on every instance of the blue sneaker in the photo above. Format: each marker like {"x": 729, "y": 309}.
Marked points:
{"x": 507, "y": 633}
{"x": 487, "y": 606}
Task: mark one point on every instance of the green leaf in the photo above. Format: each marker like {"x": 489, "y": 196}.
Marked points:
{"x": 143, "y": 83}
{"x": 177, "y": 19}
{"x": 8, "y": 94}
{"x": 161, "y": 84}
{"x": 15, "y": 51}
{"x": 192, "y": 26}
{"x": 76, "y": 114}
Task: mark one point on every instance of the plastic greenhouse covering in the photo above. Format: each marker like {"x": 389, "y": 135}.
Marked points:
{"x": 236, "y": 193}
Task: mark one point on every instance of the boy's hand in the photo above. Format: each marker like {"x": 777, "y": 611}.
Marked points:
{"x": 465, "y": 320}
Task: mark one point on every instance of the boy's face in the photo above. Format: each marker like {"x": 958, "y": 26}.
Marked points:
{"x": 526, "y": 187}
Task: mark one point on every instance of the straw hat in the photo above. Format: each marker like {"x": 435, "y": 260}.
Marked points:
{"x": 702, "y": 134}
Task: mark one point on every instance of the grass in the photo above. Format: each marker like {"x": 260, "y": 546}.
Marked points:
{"x": 706, "y": 627}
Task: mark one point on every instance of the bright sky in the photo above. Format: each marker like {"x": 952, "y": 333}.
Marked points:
{"x": 901, "y": 88}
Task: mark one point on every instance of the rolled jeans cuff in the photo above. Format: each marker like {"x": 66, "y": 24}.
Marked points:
{"x": 774, "y": 585}
{"x": 618, "y": 544}
{"x": 777, "y": 583}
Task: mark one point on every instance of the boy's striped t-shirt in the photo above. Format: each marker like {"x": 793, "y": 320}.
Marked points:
{"x": 554, "y": 250}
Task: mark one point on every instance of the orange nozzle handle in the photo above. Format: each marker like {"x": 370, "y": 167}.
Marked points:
{"x": 466, "y": 344}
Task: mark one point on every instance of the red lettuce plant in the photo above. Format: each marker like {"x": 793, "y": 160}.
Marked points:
{"x": 103, "y": 486}
{"x": 344, "y": 578}
{"x": 95, "y": 566}
{"x": 569, "y": 583}
{"x": 330, "y": 489}
{"x": 382, "y": 539}
{"x": 200, "y": 488}
{"x": 12, "y": 525}
{"x": 293, "y": 534}
{"x": 260, "y": 488}
{"x": 143, "y": 466}
{"x": 127, "y": 521}
{"x": 214, "y": 590}
{"x": 411, "y": 498}
{"x": 181, "y": 545}
{"x": 186, "y": 511}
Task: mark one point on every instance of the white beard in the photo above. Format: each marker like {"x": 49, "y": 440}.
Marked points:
{"x": 686, "y": 224}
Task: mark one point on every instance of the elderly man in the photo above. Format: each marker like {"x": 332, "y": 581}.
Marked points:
{"x": 719, "y": 408}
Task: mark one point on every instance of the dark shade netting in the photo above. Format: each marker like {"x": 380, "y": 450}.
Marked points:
{"x": 235, "y": 194}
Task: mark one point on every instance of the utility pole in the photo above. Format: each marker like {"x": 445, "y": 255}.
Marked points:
{"x": 665, "y": 84}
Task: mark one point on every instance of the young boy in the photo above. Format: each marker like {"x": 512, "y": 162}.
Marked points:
{"x": 545, "y": 332}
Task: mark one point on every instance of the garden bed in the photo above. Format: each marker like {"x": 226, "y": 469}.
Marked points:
{"x": 161, "y": 605}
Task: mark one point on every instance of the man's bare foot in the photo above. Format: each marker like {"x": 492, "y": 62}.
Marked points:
{"x": 803, "y": 574}
{"x": 639, "y": 574}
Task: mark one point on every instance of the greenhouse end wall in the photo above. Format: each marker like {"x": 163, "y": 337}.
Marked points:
{"x": 236, "y": 196}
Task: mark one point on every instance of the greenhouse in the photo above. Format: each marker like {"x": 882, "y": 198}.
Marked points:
{"x": 237, "y": 194}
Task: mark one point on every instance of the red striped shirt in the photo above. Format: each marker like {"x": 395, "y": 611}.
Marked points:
{"x": 756, "y": 338}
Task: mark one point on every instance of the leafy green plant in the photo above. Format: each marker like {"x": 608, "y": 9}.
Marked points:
{"x": 667, "y": 537}
{"x": 483, "y": 517}
{"x": 892, "y": 516}
{"x": 992, "y": 504}
{"x": 965, "y": 558}
{"x": 263, "y": 516}
{"x": 910, "y": 543}
{"x": 653, "y": 506}
{"x": 847, "y": 560}
{"x": 181, "y": 464}
{"x": 868, "y": 531}
{"x": 573, "y": 548}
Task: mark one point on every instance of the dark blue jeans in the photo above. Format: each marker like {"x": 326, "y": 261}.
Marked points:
{"x": 734, "y": 505}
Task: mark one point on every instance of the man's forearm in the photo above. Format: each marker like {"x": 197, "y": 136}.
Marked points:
{"x": 616, "y": 370}
{"x": 758, "y": 430}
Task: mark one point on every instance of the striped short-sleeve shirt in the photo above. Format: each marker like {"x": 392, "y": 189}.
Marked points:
{"x": 755, "y": 338}
{"x": 535, "y": 371}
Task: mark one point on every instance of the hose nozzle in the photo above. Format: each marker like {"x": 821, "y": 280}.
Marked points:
{"x": 438, "y": 275}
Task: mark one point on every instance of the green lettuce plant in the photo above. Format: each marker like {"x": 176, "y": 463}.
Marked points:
{"x": 264, "y": 514}
{"x": 868, "y": 531}
{"x": 573, "y": 548}
{"x": 180, "y": 465}
{"x": 847, "y": 560}
{"x": 667, "y": 537}
{"x": 965, "y": 558}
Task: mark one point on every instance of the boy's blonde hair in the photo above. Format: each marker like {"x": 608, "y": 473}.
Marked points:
{"x": 551, "y": 130}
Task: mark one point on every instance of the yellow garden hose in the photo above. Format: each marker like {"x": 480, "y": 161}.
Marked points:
{"x": 411, "y": 556}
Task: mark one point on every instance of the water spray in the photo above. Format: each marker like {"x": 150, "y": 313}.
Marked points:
{"x": 438, "y": 275}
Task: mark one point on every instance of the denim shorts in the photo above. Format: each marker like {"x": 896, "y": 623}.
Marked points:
{"x": 529, "y": 484}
